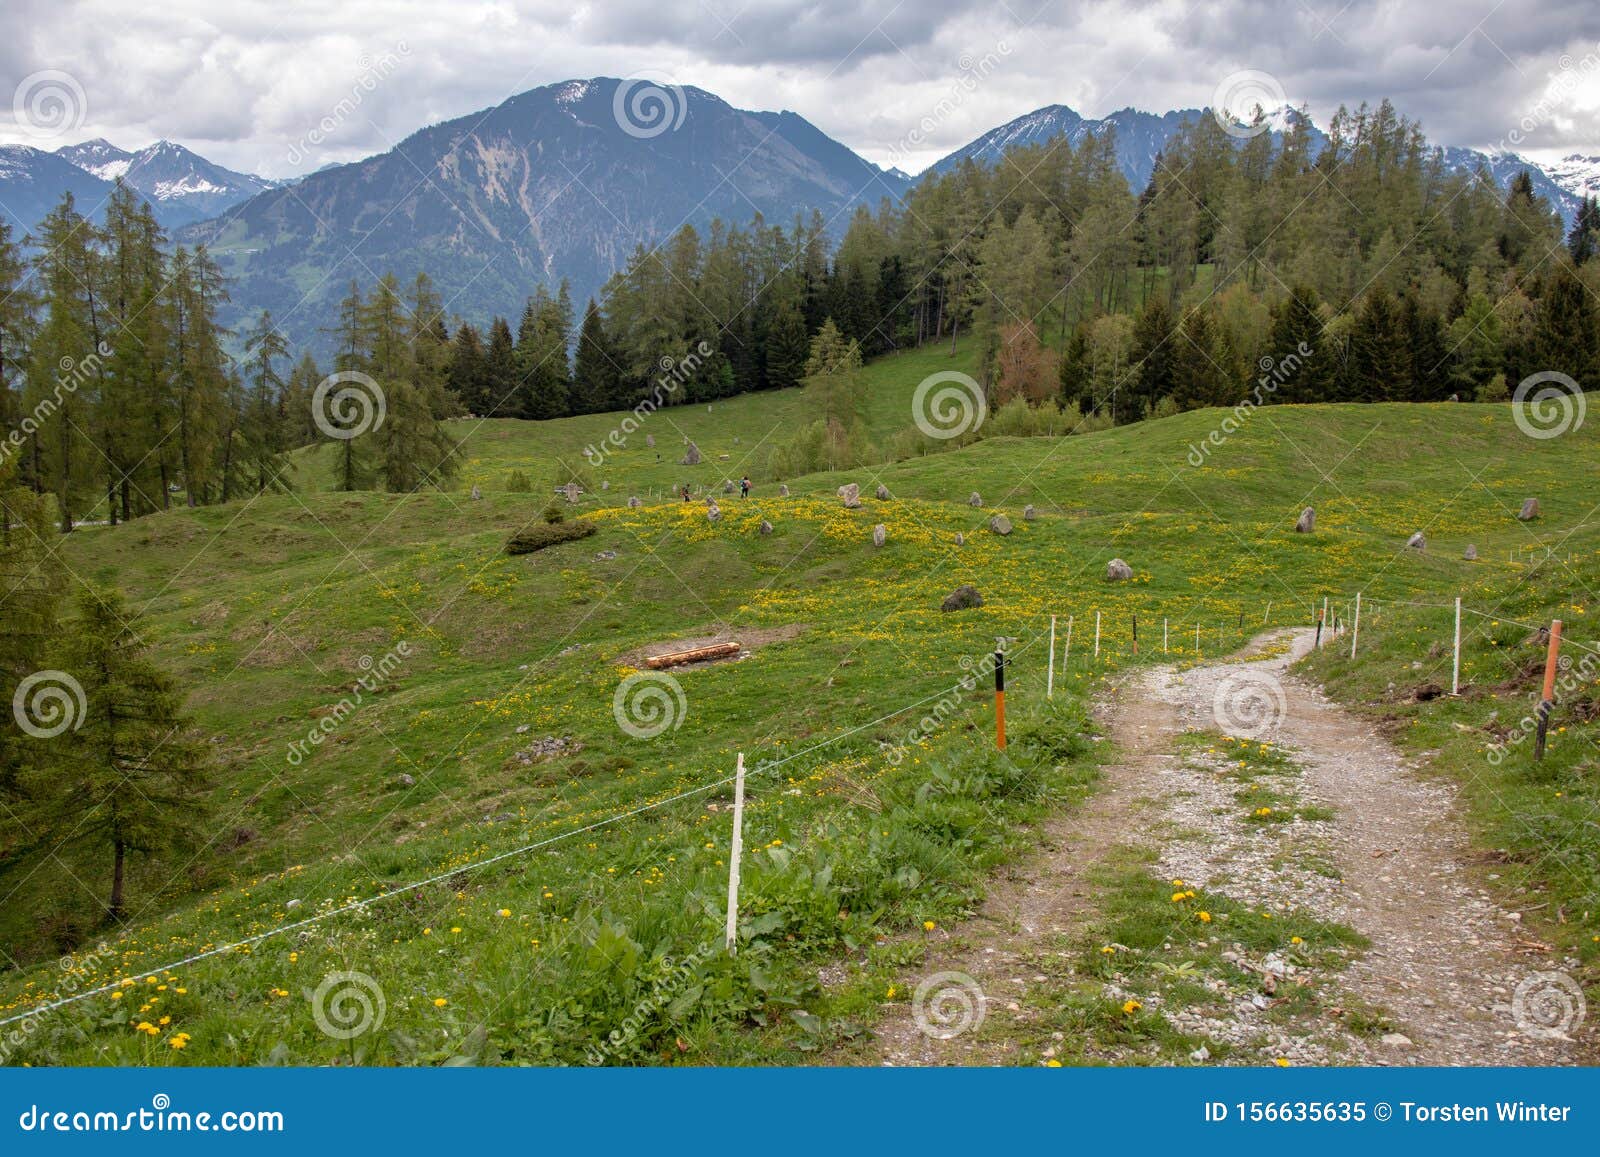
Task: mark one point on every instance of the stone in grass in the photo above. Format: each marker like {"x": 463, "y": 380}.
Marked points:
{"x": 1307, "y": 522}
{"x": 634, "y": 502}
{"x": 962, "y": 598}
{"x": 650, "y": 441}
{"x": 1530, "y": 510}
{"x": 1000, "y": 525}
{"x": 880, "y": 534}
{"x": 605, "y": 556}
{"x": 961, "y": 539}
{"x": 783, "y": 490}
{"x": 691, "y": 456}
{"x": 407, "y": 781}
{"x": 714, "y": 513}
{"x": 882, "y": 492}
{"x": 850, "y": 495}
{"x": 572, "y": 491}
{"x": 1397, "y": 1040}
{"x": 1471, "y": 553}
{"x": 975, "y": 500}
{"x": 1029, "y": 513}
{"x": 766, "y": 527}
{"x": 476, "y": 493}
{"x": 1417, "y": 542}
{"x": 1118, "y": 571}
{"x": 727, "y": 485}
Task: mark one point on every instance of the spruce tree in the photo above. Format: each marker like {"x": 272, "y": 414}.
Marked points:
{"x": 595, "y": 378}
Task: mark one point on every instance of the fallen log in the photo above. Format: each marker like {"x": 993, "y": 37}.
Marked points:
{"x": 693, "y": 655}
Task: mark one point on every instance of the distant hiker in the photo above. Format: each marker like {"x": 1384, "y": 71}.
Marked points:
{"x": 686, "y": 492}
{"x": 744, "y": 487}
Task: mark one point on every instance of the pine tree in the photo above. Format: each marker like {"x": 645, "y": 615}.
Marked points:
{"x": 1151, "y": 357}
{"x": 264, "y": 432}
{"x": 132, "y": 779}
{"x": 595, "y": 379}
{"x": 1379, "y": 364}
{"x": 32, "y": 578}
{"x": 1199, "y": 375}
{"x": 787, "y": 347}
{"x": 1566, "y": 338}
{"x": 500, "y": 373}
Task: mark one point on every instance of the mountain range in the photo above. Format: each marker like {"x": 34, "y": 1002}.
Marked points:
{"x": 181, "y": 186}
{"x": 560, "y": 182}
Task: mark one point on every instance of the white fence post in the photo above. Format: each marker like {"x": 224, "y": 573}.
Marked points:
{"x": 1050, "y": 674}
{"x": 1355, "y": 627}
{"x": 1163, "y": 636}
{"x": 1097, "y": 636}
{"x": 1455, "y": 666}
{"x": 733, "y": 857}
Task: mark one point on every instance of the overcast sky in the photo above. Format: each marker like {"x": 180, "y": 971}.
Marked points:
{"x": 249, "y": 84}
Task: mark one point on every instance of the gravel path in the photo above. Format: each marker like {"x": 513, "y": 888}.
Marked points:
{"x": 1445, "y": 962}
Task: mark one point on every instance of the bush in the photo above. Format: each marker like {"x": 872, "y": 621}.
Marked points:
{"x": 549, "y": 534}
{"x": 553, "y": 514}
{"x": 517, "y": 483}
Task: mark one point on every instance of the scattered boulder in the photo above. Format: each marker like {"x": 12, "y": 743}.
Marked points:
{"x": 407, "y": 781}
{"x": 1530, "y": 510}
{"x": 1471, "y": 553}
{"x": 1000, "y": 525}
{"x": 691, "y": 456}
{"x": 883, "y": 492}
{"x": 1307, "y": 522}
{"x": 572, "y": 490}
{"x": 1417, "y": 542}
{"x": 1029, "y": 513}
{"x": 291, "y": 905}
{"x": 975, "y": 500}
{"x": 606, "y": 555}
{"x": 727, "y": 485}
{"x": 961, "y": 539}
{"x": 634, "y": 502}
{"x": 1118, "y": 571}
{"x": 880, "y": 534}
{"x": 962, "y": 598}
{"x": 766, "y": 527}
{"x": 850, "y": 495}
{"x": 714, "y": 513}
{"x": 1397, "y": 1040}
{"x": 650, "y": 441}
{"x": 783, "y": 490}
{"x": 476, "y": 493}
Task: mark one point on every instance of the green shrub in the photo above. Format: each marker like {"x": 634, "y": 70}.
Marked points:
{"x": 549, "y": 534}
{"x": 517, "y": 483}
{"x": 553, "y": 514}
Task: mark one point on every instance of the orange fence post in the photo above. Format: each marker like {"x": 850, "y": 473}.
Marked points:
{"x": 1547, "y": 699}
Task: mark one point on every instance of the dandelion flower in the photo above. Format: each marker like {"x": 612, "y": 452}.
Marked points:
{"x": 928, "y": 925}
{"x": 1204, "y": 917}
{"x": 439, "y": 1002}
{"x": 505, "y": 912}
{"x": 1131, "y": 1006}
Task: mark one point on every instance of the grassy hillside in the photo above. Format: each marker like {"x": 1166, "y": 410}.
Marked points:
{"x": 272, "y": 610}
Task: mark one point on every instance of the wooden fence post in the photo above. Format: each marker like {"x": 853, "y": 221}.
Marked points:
{"x": 1547, "y": 701}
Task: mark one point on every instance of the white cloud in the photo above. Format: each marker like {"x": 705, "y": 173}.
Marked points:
{"x": 244, "y": 82}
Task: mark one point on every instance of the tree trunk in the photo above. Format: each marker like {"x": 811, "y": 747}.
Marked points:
{"x": 120, "y": 852}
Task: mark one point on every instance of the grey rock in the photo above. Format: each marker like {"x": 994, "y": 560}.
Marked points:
{"x": 883, "y": 492}
{"x": 291, "y": 905}
{"x": 606, "y": 555}
{"x": 1029, "y": 513}
{"x": 961, "y": 539}
{"x": 572, "y": 491}
{"x": 1307, "y": 522}
{"x": 1397, "y": 1040}
{"x": 727, "y": 485}
{"x": 476, "y": 493}
{"x": 691, "y": 456}
{"x": 523, "y": 728}
{"x": 1000, "y": 525}
{"x": 1530, "y": 510}
{"x": 962, "y": 598}
{"x": 713, "y": 511}
{"x": 766, "y": 527}
{"x": 975, "y": 500}
{"x": 1471, "y": 553}
{"x": 1417, "y": 542}
{"x": 850, "y": 495}
{"x": 880, "y": 534}
{"x": 605, "y": 486}
{"x": 783, "y": 490}
{"x": 650, "y": 441}
{"x": 407, "y": 781}
{"x": 1118, "y": 571}
{"x": 634, "y": 501}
